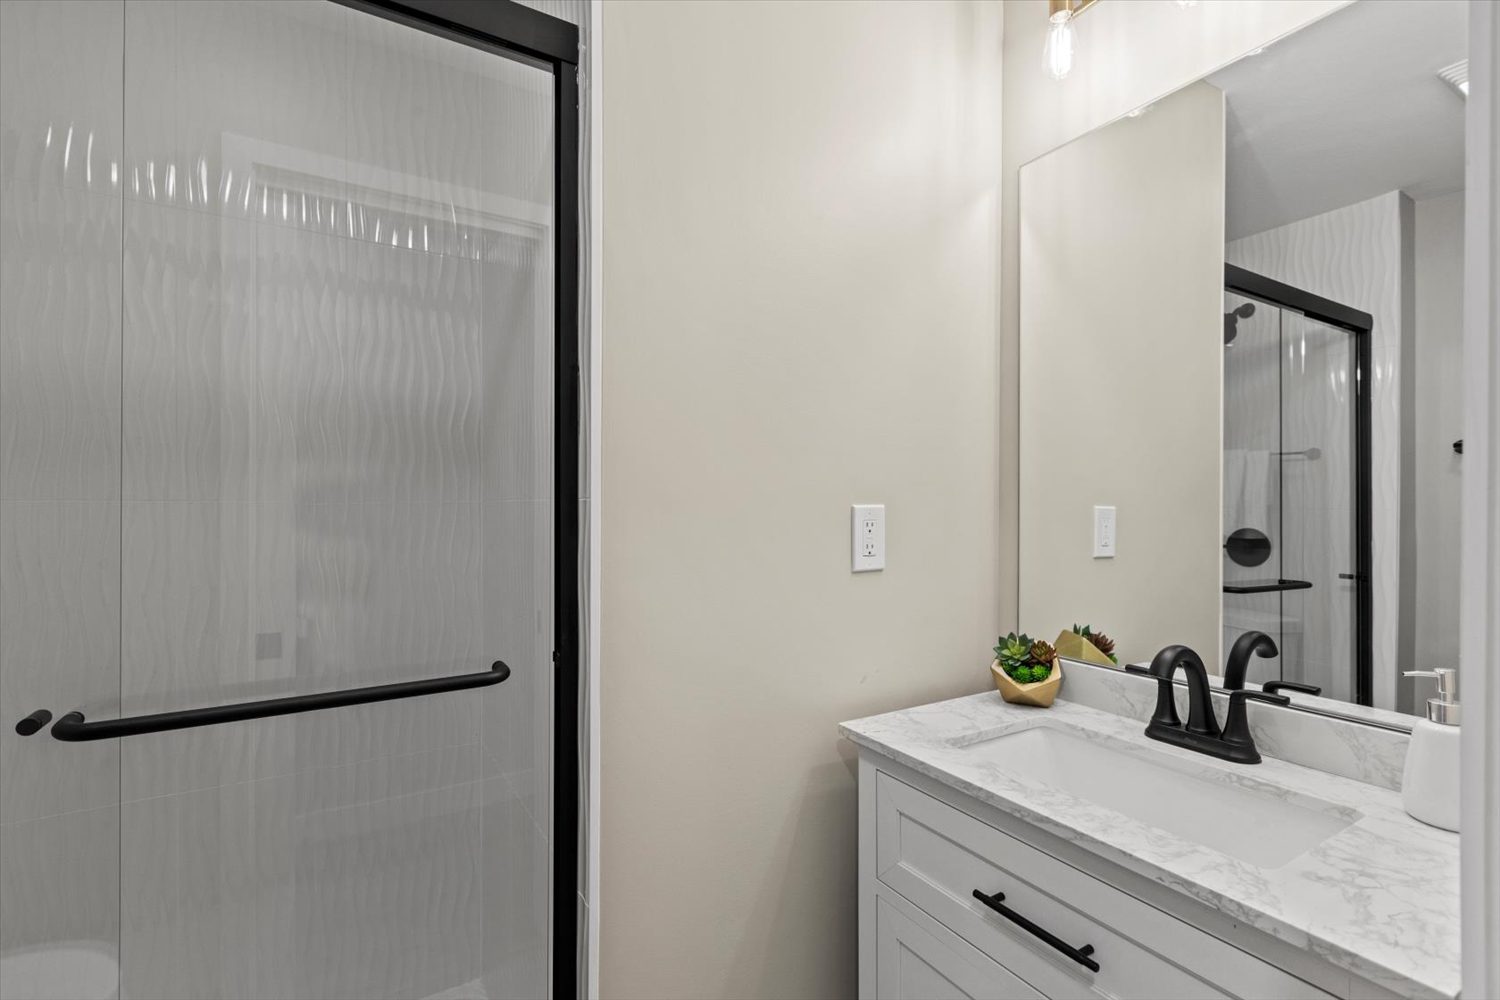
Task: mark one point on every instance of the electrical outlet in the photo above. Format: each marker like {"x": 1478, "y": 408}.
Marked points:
{"x": 1104, "y": 532}
{"x": 867, "y": 537}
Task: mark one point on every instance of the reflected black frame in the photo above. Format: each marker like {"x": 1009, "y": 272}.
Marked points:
{"x": 1276, "y": 293}
{"x": 509, "y": 29}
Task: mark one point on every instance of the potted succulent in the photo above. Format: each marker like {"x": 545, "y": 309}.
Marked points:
{"x": 1026, "y": 670}
{"x": 1083, "y": 643}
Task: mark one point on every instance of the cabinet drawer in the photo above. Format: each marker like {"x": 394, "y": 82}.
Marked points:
{"x": 937, "y": 856}
{"x": 921, "y": 960}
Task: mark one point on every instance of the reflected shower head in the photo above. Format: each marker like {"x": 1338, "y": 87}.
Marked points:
{"x": 1232, "y": 320}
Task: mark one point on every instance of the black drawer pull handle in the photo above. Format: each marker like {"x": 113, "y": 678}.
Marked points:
{"x": 1079, "y": 955}
{"x": 72, "y": 728}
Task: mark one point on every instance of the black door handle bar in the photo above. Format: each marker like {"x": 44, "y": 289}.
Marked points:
{"x": 73, "y": 728}
{"x": 1079, "y": 955}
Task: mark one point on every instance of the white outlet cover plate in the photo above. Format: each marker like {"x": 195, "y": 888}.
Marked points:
{"x": 867, "y": 537}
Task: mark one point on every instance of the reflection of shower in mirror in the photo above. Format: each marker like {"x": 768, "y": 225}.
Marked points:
{"x": 1293, "y": 470}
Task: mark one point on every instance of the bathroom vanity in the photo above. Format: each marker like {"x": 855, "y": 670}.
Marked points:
{"x": 1015, "y": 852}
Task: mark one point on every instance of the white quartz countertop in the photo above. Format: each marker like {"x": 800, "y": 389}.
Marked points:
{"x": 1378, "y": 898}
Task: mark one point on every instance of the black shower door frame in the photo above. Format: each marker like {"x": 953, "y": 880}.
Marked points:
{"x": 513, "y": 31}
{"x": 1276, "y": 293}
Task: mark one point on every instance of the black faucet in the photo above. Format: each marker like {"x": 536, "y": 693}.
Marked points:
{"x": 1257, "y": 644}
{"x": 1202, "y": 732}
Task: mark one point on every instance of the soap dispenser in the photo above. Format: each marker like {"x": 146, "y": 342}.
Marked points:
{"x": 1429, "y": 785}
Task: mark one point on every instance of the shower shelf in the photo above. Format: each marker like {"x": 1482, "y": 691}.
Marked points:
{"x": 1265, "y": 586}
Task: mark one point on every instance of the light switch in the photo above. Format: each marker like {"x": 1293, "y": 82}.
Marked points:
{"x": 1104, "y": 532}
{"x": 868, "y": 537}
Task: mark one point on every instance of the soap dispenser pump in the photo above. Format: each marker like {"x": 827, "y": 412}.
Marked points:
{"x": 1429, "y": 784}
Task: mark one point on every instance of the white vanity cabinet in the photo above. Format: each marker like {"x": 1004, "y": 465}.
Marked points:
{"x": 918, "y": 959}
{"x": 1074, "y": 925}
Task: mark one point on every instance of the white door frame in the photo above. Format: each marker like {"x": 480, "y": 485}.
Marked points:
{"x": 1480, "y": 688}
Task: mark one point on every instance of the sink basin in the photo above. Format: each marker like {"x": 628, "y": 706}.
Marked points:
{"x": 1230, "y": 813}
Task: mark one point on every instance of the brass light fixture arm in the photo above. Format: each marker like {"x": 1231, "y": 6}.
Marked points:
{"x": 1072, "y": 8}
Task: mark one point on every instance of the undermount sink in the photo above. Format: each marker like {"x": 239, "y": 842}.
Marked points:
{"x": 1235, "y": 815}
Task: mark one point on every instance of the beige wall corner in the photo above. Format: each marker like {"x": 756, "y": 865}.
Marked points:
{"x": 800, "y": 313}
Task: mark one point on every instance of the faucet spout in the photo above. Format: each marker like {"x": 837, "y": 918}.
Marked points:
{"x": 1201, "y": 719}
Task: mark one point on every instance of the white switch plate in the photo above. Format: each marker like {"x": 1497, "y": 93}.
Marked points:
{"x": 868, "y": 537}
{"x": 1104, "y": 532}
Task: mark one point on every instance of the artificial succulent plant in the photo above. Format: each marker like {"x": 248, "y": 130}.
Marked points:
{"x": 1100, "y": 641}
{"x": 1024, "y": 660}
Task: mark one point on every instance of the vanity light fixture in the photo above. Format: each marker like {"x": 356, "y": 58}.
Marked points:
{"x": 1457, "y": 77}
{"x": 1058, "y": 51}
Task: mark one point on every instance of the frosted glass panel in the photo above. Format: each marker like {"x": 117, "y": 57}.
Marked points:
{"x": 1289, "y": 474}
{"x": 60, "y": 292}
{"x": 275, "y": 418}
{"x": 1252, "y": 482}
{"x": 1318, "y": 400}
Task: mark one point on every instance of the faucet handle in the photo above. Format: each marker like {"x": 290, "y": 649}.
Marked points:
{"x": 1271, "y": 687}
{"x": 1269, "y": 697}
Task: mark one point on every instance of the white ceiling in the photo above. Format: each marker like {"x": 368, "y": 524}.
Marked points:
{"x": 1345, "y": 109}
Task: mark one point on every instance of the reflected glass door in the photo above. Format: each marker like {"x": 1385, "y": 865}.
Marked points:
{"x": 276, "y": 410}
{"x": 1254, "y": 543}
{"x": 1291, "y": 475}
{"x": 1318, "y": 497}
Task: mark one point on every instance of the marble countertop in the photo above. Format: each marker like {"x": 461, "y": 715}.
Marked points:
{"x": 1378, "y": 898}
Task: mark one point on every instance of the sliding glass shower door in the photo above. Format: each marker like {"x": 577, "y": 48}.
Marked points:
{"x": 1293, "y": 488}
{"x": 278, "y": 319}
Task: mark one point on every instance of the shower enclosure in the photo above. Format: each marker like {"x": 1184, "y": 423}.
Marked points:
{"x": 288, "y": 499}
{"x": 1297, "y": 483}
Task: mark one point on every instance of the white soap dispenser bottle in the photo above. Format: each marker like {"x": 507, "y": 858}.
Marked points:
{"x": 1429, "y": 785}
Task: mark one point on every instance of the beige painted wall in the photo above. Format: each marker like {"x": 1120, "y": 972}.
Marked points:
{"x": 1122, "y": 265}
{"x": 800, "y": 313}
{"x": 1129, "y": 54}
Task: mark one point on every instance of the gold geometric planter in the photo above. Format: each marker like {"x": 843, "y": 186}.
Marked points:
{"x": 1038, "y": 693}
{"x": 1073, "y": 646}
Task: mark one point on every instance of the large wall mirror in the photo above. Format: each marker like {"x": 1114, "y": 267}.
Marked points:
{"x": 1241, "y": 329}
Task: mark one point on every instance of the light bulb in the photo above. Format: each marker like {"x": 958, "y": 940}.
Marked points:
{"x": 1059, "y": 49}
